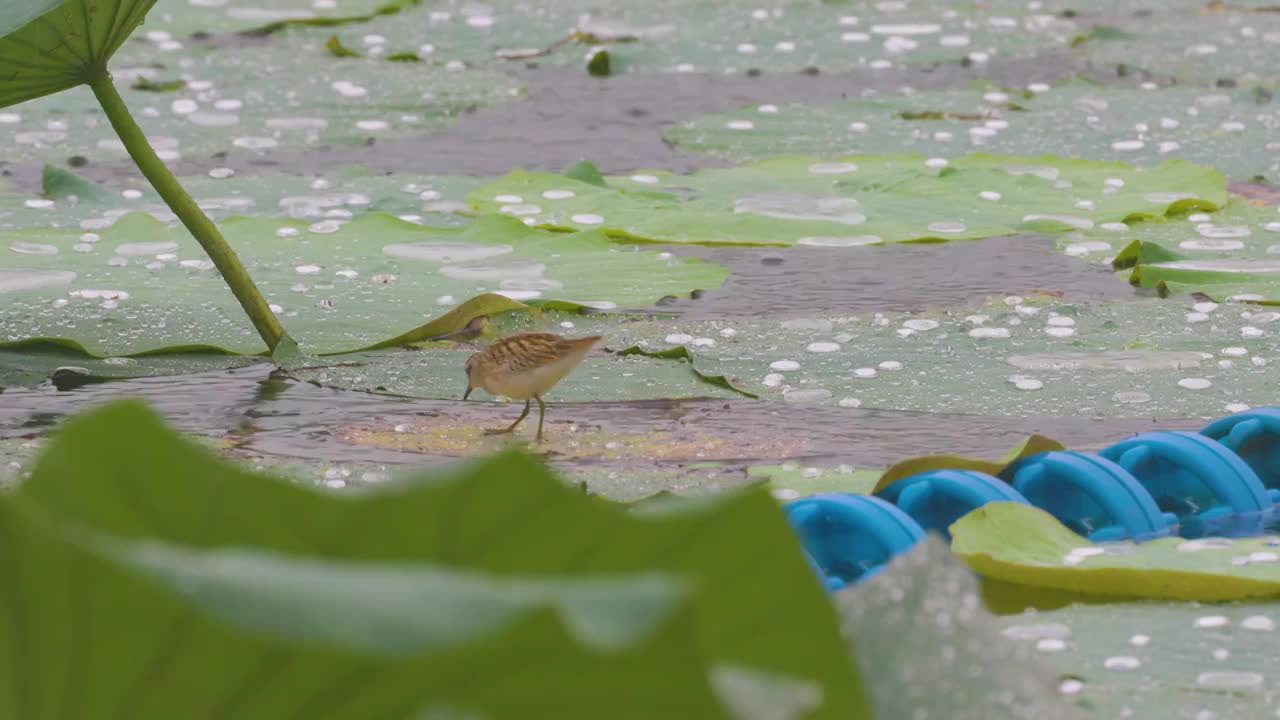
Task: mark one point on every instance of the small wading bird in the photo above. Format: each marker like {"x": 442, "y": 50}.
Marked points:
{"x": 525, "y": 366}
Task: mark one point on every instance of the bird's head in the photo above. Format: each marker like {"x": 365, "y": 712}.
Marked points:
{"x": 473, "y": 364}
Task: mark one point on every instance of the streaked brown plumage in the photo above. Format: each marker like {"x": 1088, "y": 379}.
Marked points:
{"x": 524, "y": 366}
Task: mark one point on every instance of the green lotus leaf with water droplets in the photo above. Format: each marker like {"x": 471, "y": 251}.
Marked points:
{"x": 1024, "y": 545}
{"x": 1230, "y": 129}
{"x": 285, "y": 93}
{"x": 1242, "y": 230}
{"x": 791, "y": 480}
{"x": 1158, "y": 660}
{"x": 858, "y": 199}
{"x": 70, "y": 201}
{"x": 1235, "y": 42}
{"x": 730, "y": 37}
{"x": 1030, "y": 357}
{"x": 142, "y": 285}
{"x": 1233, "y": 255}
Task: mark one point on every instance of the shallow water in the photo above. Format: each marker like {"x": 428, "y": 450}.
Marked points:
{"x": 804, "y": 281}
{"x": 284, "y": 418}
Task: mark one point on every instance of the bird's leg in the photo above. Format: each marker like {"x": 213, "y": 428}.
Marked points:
{"x": 542, "y": 412}
{"x": 512, "y": 428}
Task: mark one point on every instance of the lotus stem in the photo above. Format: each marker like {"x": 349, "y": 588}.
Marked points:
{"x": 182, "y": 204}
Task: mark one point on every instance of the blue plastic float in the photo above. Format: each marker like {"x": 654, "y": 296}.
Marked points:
{"x": 1224, "y": 479}
{"x": 1255, "y": 437}
{"x": 851, "y": 537}
{"x": 1197, "y": 479}
{"x": 1091, "y": 495}
{"x": 937, "y": 498}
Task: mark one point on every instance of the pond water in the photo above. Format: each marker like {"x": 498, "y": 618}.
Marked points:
{"x": 291, "y": 422}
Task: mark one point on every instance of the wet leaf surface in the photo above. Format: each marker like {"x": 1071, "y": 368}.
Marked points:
{"x": 1017, "y": 356}
{"x": 1240, "y": 231}
{"x": 337, "y": 285}
{"x": 854, "y": 200}
{"x": 250, "y": 98}
{"x": 338, "y": 194}
{"x": 1019, "y": 543}
{"x": 1228, "y": 128}
{"x": 1150, "y": 660}
{"x": 1197, "y": 44}
{"x": 791, "y": 480}
{"x": 733, "y": 36}
{"x": 68, "y": 368}
{"x": 437, "y": 372}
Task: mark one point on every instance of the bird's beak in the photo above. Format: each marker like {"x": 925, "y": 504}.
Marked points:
{"x": 468, "y": 392}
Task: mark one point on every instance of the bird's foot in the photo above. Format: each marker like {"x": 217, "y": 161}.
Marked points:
{"x": 499, "y": 431}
